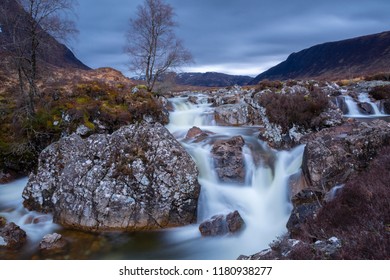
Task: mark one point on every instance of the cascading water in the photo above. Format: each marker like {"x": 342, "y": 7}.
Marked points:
{"x": 353, "y": 108}
{"x": 262, "y": 200}
{"x": 35, "y": 224}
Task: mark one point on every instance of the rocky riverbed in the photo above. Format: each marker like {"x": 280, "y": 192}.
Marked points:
{"x": 228, "y": 164}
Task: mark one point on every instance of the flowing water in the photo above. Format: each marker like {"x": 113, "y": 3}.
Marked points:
{"x": 353, "y": 108}
{"x": 262, "y": 201}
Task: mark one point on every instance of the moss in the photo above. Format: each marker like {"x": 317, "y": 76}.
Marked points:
{"x": 3, "y": 221}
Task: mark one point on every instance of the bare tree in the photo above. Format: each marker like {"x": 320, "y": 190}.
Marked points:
{"x": 28, "y": 32}
{"x": 151, "y": 42}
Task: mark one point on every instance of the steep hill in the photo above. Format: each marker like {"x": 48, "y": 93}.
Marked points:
{"x": 335, "y": 60}
{"x": 50, "y": 51}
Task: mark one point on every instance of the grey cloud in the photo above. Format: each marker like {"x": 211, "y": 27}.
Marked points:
{"x": 246, "y": 33}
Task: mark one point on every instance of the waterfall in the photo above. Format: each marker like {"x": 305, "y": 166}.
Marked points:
{"x": 262, "y": 201}
{"x": 353, "y": 108}
{"x": 35, "y": 224}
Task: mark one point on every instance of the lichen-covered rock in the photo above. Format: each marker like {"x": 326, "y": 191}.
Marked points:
{"x": 12, "y": 236}
{"x": 236, "y": 115}
{"x": 137, "y": 178}
{"x": 229, "y": 160}
{"x": 332, "y": 155}
{"x": 222, "y": 224}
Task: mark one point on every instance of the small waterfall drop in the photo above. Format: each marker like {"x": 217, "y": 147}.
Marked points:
{"x": 353, "y": 107}
{"x": 262, "y": 201}
{"x": 35, "y": 224}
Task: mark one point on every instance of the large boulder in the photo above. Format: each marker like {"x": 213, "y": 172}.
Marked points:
{"x": 137, "y": 178}
{"x": 229, "y": 160}
{"x": 332, "y": 155}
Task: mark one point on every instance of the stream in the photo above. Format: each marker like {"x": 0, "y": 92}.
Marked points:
{"x": 262, "y": 201}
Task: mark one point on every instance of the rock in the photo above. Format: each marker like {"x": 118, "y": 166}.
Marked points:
{"x": 83, "y": 130}
{"x": 385, "y": 105}
{"x": 8, "y": 176}
{"x": 299, "y": 215}
{"x": 196, "y": 134}
{"x": 286, "y": 249}
{"x": 12, "y": 236}
{"x": 53, "y": 243}
{"x": 236, "y": 115}
{"x": 332, "y": 155}
{"x": 229, "y": 160}
{"x": 216, "y": 225}
{"x": 366, "y": 108}
{"x": 221, "y": 224}
{"x": 137, "y": 178}
{"x": 193, "y": 99}
{"x": 234, "y": 221}
{"x": 329, "y": 247}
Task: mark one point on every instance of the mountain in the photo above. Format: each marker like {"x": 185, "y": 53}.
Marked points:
{"x": 208, "y": 79}
{"x": 355, "y": 57}
{"x": 50, "y": 51}
{"x": 211, "y": 79}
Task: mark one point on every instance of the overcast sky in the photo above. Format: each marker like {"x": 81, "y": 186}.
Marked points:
{"x": 232, "y": 36}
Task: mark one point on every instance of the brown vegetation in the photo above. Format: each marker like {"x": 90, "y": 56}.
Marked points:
{"x": 101, "y": 105}
{"x": 298, "y": 108}
{"x": 359, "y": 215}
{"x": 380, "y": 92}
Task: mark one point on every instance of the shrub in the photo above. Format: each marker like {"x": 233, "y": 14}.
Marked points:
{"x": 380, "y": 92}
{"x": 298, "y": 108}
{"x": 267, "y": 84}
{"x": 359, "y": 215}
{"x": 378, "y": 77}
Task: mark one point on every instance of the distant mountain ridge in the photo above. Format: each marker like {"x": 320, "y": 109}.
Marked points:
{"x": 208, "y": 79}
{"x": 349, "y": 58}
{"x": 51, "y": 52}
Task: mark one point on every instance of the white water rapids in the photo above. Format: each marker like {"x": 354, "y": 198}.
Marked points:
{"x": 263, "y": 201}
{"x": 353, "y": 108}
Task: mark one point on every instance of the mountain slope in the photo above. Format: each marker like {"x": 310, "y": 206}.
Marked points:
{"x": 208, "y": 79}
{"x": 335, "y": 60}
{"x": 50, "y": 51}
{"x": 211, "y": 79}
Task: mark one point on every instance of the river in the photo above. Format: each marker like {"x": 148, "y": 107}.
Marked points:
{"x": 262, "y": 201}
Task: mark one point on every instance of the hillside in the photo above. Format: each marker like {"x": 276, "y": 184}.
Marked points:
{"x": 211, "y": 79}
{"x": 50, "y": 51}
{"x": 208, "y": 79}
{"x": 355, "y": 57}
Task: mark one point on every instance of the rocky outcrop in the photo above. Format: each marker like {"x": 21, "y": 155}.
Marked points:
{"x": 229, "y": 160}
{"x": 236, "y": 115}
{"x": 287, "y": 249}
{"x": 12, "y": 236}
{"x": 221, "y": 224}
{"x": 137, "y": 178}
{"x": 332, "y": 155}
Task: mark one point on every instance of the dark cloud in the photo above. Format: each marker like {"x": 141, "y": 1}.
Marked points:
{"x": 245, "y": 36}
